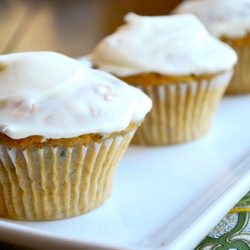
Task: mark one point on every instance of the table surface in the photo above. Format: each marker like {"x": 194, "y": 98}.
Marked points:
{"x": 64, "y": 26}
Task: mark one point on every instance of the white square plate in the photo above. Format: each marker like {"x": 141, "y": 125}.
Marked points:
{"x": 168, "y": 197}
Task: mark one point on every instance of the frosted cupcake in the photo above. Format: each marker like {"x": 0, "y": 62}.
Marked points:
{"x": 63, "y": 129}
{"x": 178, "y": 64}
{"x": 228, "y": 20}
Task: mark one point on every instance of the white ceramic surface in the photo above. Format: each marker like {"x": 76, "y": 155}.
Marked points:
{"x": 167, "y": 198}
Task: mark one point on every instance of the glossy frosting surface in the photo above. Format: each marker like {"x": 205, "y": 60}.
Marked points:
{"x": 174, "y": 45}
{"x": 54, "y": 96}
{"x": 229, "y": 18}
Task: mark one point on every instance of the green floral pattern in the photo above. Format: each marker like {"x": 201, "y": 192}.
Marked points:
{"x": 232, "y": 233}
{"x": 245, "y": 202}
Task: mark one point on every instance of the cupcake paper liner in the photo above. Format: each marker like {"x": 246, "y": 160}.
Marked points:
{"x": 181, "y": 112}
{"x": 240, "y": 83}
{"x": 58, "y": 182}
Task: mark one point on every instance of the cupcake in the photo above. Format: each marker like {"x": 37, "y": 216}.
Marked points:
{"x": 228, "y": 20}
{"x": 178, "y": 64}
{"x": 63, "y": 129}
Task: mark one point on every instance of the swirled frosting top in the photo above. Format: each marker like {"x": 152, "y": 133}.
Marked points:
{"x": 230, "y": 18}
{"x": 172, "y": 45}
{"x": 54, "y": 96}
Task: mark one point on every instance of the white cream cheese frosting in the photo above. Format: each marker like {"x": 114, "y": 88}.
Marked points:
{"x": 54, "y": 96}
{"x": 172, "y": 45}
{"x": 230, "y": 18}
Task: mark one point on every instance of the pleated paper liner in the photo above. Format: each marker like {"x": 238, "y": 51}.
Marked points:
{"x": 240, "y": 83}
{"x": 51, "y": 182}
{"x": 181, "y": 112}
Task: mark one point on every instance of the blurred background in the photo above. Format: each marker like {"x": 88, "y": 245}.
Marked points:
{"x": 72, "y": 27}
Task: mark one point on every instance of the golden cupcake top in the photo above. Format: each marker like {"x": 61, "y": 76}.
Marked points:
{"x": 230, "y": 18}
{"x": 171, "y": 45}
{"x": 54, "y": 96}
